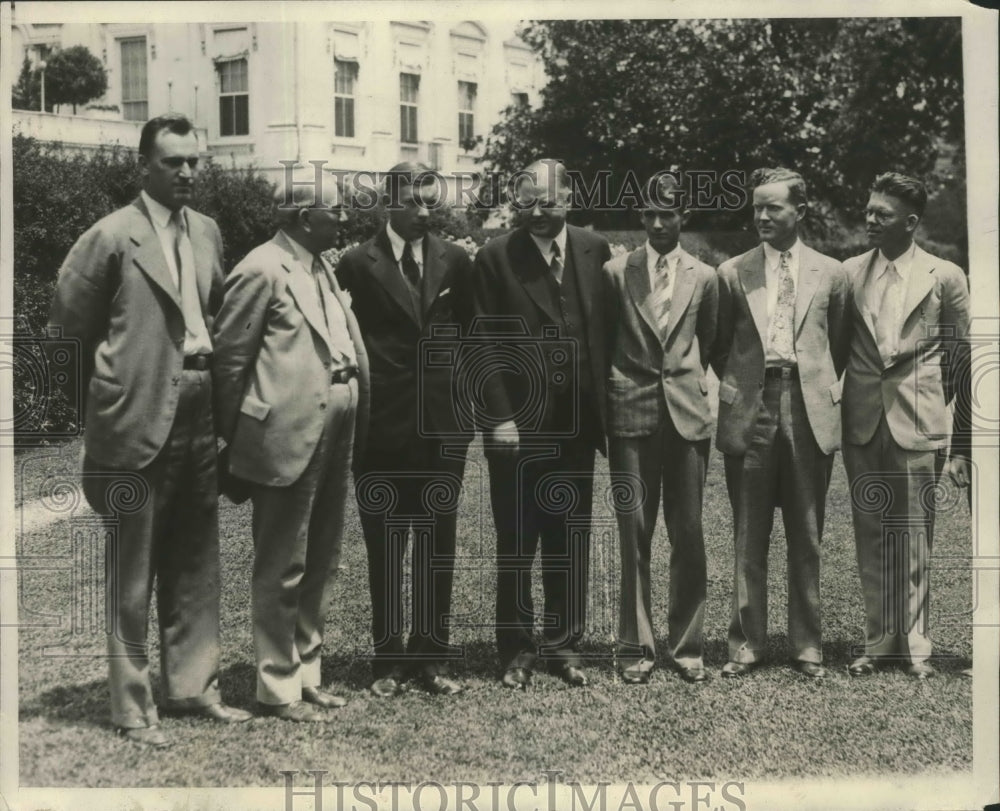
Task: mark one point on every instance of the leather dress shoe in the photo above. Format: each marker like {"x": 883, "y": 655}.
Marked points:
{"x": 516, "y": 678}
{"x": 635, "y": 675}
{"x": 573, "y": 676}
{"x": 440, "y": 685}
{"x": 151, "y": 736}
{"x": 297, "y": 711}
{"x": 386, "y": 687}
{"x": 321, "y": 698}
{"x": 733, "y": 670}
{"x": 812, "y": 670}
{"x": 862, "y": 666}
{"x": 218, "y": 711}
{"x": 692, "y": 675}
{"x": 921, "y": 671}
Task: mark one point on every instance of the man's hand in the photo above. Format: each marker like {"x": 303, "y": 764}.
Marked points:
{"x": 958, "y": 470}
{"x": 506, "y": 437}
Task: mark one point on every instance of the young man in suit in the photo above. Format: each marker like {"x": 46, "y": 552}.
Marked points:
{"x": 406, "y": 284}
{"x": 782, "y": 345}
{"x": 909, "y": 338}
{"x": 138, "y": 290}
{"x": 542, "y": 415}
{"x": 662, "y": 308}
{"x": 291, "y": 380}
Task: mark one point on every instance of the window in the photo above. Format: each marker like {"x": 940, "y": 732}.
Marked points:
{"x": 135, "y": 104}
{"x": 519, "y": 100}
{"x": 466, "y": 112}
{"x": 345, "y": 77}
{"x": 409, "y": 91}
{"x": 234, "y": 97}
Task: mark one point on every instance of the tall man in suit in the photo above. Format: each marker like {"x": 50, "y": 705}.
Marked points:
{"x": 910, "y": 337}
{"x": 406, "y": 285}
{"x": 783, "y": 337}
{"x": 662, "y": 308}
{"x": 138, "y": 291}
{"x": 542, "y": 417}
{"x": 291, "y": 390}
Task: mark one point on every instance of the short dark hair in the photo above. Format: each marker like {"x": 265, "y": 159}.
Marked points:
{"x": 908, "y": 189}
{"x": 176, "y": 123}
{"x": 779, "y": 174}
{"x": 407, "y": 173}
{"x": 664, "y": 189}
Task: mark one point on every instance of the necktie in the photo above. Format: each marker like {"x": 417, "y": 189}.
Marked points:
{"x": 662, "y": 296}
{"x": 411, "y": 270}
{"x": 886, "y": 319}
{"x": 780, "y": 339}
{"x": 322, "y": 287}
{"x": 556, "y": 265}
{"x": 196, "y": 338}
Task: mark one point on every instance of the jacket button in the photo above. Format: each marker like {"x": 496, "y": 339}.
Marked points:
{"x": 760, "y": 385}
{"x": 322, "y": 405}
{"x": 176, "y": 380}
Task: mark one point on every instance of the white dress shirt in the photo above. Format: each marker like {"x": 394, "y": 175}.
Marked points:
{"x": 875, "y": 289}
{"x": 545, "y": 246}
{"x": 399, "y": 245}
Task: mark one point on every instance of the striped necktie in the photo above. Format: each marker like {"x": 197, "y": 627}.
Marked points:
{"x": 662, "y": 296}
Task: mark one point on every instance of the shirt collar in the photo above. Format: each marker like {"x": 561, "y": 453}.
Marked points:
{"x": 303, "y": 254}
{"x": 652, "y": 257}
{"x": 399, "y": 245}
{"x": 545, "y": 245}
{"x": 903, "y": 262}
{"x": 159, "y": 212}
{"x": 773, "y": 255}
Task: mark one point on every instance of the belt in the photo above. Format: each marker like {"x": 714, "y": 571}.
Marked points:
{"x": 343, "y": 375}
{"x": 782, "y": 372}
{"x": 199, "y": 362}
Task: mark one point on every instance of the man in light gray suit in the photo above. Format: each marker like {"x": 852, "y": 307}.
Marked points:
{"x": 662, "y": 305}
{"x": 291, "y": 390}
{"x": 909, "y": 351}
{"x": 783, "y": 339}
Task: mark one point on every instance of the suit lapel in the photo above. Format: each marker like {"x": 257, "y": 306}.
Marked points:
{"x": 530, "y": 269}
{"x": 303, "y": 289}
{"x": 637, "y": 283}
{"x": 920, "y": 283}
{"x": 808, "y": 282}
{"x": 203, "y": 255}
{"x": 586, "y": 282}
{"x": 755, "y": 289}
{"x": 149, "y": 256}
{"x": 684, "y": 283}
{"x": 386, "y": 272}
{"x": 434, "y": 271}
{"x": 859, "y": 285}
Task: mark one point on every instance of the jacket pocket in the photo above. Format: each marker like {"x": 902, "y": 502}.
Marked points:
{"x": 727, "y": 393}
{"x": 835, "y": 391}
{"x": 255, "y": 408}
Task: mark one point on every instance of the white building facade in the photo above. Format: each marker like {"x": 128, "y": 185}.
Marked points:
{"x": 359, "y": 95}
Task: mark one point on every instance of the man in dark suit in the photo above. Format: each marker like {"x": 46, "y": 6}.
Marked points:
{"x": 662, "y": 306}
{"x": 407, "y": 285}
{"x": 782, "y": 345}
{"x": 138, "y": 290}
{"x": 908, "y": 354}
{"x": 542, "y": 416}
{"x": 291, "y": 391}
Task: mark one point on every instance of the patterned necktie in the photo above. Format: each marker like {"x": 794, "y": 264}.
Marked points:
{"x": 886, "y": 317}
{"x": 196, "y": 335}
{"x": 662, "y": 296}
{"x": 780, "y": 338}
{"x": 556, "y": 265}
{"x": 411, "y": 270}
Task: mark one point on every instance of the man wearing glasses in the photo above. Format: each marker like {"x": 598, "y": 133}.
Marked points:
{"x": 291, "y": 391}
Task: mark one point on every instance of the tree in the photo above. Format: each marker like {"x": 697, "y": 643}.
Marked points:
{"x": 74, "y": 76}
{"x": 25, "y": 94}
{"x": 838, "y": 99}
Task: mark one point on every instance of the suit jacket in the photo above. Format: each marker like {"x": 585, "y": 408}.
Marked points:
{"x": 411, "y": 379}
{"x": 648, "y": 379}
{"x": 272, "y": 366}
{"x": 509, "y": 282}
{"x": 822, "y": 337}
{"x": 914, "y": 391}
{"x": 115, "y": 295}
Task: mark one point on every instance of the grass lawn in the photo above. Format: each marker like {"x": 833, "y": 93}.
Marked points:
{"x": 772, "y": 725}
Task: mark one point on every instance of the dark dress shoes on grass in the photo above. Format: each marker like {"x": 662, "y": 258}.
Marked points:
{"x": 516, "y": 678}
{"x": 152, "y": 737}
{"x": 298, "y": 711}
{"x": 321, "y": 698}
